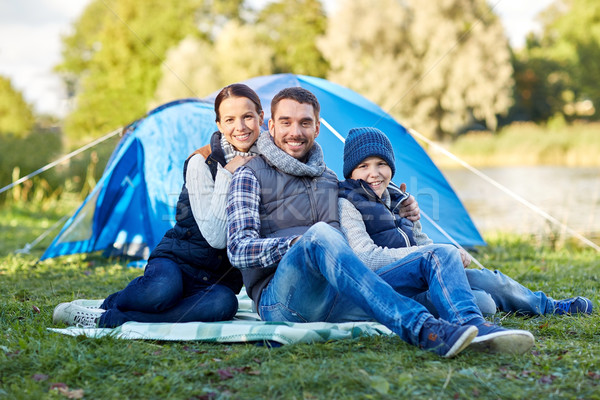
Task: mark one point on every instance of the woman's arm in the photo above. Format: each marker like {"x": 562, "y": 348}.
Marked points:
{"x": 208, "y": 200}
{"x": 359, "y": 240}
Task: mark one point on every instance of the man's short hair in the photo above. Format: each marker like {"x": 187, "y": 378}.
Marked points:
{"x": 298, "y": 94}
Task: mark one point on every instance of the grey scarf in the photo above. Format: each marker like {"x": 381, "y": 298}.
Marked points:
{"x": 315, "y": 166}
{"x": 230, "y": 152}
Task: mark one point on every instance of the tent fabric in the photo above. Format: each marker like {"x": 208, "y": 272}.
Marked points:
{"x": 134, "y": 202}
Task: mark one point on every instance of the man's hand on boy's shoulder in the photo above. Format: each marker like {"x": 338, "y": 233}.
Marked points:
{"x": 409, "y": 208}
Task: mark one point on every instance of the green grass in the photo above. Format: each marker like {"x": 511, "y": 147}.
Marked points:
{"x": 521, "y": 144}
{"x": 38, "y": 364}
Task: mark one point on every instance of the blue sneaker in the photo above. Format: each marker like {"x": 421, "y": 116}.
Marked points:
{"x": 444, "y": 338}
{"x": 494, "y": 339}
{"x": 573, "y": 305}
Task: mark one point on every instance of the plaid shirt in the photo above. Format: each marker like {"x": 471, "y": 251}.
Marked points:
{"x": 245, "y": 247}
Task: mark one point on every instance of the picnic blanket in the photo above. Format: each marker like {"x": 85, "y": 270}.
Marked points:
{"x": 245, "y": 327}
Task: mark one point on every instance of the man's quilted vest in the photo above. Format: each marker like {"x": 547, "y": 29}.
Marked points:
{"x": 289, "y": 205}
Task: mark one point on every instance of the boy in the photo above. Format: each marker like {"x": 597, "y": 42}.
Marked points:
{"x": 368, "y": 216}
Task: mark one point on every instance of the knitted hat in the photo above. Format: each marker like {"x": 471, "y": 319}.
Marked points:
{"x": 362, "y": 143}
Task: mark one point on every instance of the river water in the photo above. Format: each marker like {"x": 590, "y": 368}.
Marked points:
{"x": 571, "y": 195}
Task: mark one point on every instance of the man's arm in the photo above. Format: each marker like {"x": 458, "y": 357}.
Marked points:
{"x": 245, "y": 247}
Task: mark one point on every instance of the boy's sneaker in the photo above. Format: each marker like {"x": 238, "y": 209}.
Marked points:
{"x": 444, "y": 338}
{"x": 89, "y": 303}
{"x": 573, "y": 305}
{"x": 494, "y": 339}
{"x": 72, "y": 314}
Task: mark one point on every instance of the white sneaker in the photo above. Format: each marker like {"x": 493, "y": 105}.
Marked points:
{"x": 89, "y": 303}
{"x": 73, "y": 314}
{"x": 494, "y": 339}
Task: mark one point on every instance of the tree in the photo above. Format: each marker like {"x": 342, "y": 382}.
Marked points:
{"x": 571, "y": 41}
{"x": 16, "y": 115}
{"x": 291, "y": 29}
{"x": 111, "y": 62}
{"x": 435, "y": 65}
{"x": 197, "y": 68}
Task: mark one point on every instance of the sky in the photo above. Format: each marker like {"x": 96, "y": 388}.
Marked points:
{"x": 30, "y": 45}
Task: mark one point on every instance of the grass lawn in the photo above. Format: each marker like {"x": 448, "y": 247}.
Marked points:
{"x": 38, "y": 364}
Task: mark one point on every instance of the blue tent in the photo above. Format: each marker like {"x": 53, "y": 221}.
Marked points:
{"x": 133, "y": 204}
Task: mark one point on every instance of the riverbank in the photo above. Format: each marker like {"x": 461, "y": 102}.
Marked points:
{"x": 526, "y": 144}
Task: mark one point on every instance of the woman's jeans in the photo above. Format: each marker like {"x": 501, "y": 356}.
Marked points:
{"x": 494, "y": 290}
{"x": 169, "y": 292}
{"x": 321, "y": 279}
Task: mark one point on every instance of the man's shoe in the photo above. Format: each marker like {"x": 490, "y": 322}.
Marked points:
{"x": 89, "y": 303}
{"x": 494, "y": 339}
{"x": 573, "y": 305}
{"x": 72, "y": 314}
{"x": 444, "y": 338}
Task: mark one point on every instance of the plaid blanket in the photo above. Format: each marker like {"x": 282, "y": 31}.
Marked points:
{"x": 245, "y": 327}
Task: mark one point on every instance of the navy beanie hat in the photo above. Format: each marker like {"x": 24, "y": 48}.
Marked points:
{"x": 362, "y": 143}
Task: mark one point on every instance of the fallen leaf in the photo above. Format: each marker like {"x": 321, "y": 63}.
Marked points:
{"x": 225, "y": 374}
{"x": 58, "y": 385}
{"x": 547, "y": 379}
{"x": 71, "y": 394}
{"x": 39, "y": 377}
{"x": 593, "y": 375}
{"x": 36, "y": 310}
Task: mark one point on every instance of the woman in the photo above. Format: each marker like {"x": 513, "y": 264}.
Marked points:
{"x": 188, "y": 276}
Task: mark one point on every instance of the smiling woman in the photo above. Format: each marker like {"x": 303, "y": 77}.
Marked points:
{"x": 188, "y": 276}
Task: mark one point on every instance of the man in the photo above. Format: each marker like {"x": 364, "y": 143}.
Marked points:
{"x": 283, "y": 235}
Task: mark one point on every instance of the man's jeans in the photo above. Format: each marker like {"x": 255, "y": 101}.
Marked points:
{"x": 494, "y": 290}
{"x": 321, "y": 279}
{"x": 168, "y": 292}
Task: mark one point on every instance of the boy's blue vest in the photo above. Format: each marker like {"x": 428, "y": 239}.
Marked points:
{"x": 384, "y": 225}
{"x": 184, "y": 242}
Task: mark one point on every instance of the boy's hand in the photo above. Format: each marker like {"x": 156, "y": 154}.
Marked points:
{"x": 409, "y": 208}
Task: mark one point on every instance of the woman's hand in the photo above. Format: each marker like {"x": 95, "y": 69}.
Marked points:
{"x": 409, "y": 208}
{"x": 236, "y": 162}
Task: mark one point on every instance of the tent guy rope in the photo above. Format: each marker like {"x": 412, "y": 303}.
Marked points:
{"x": 506, "y": 190}
{"x": 60, "y": 160}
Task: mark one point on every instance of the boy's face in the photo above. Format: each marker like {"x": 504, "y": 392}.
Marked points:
{"x": 375, "y": 171}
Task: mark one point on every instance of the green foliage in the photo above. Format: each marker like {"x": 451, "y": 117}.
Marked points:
{"x": 23, "y": 155}
{"x": 112, "y": 60}
{"x": 565, "y": 60}
{"x": 519, "y": 144}
{"x": 436, "y": 66}
{"x": 37, "y": 363}
{"x": 291, "y": 30}
{"x": 16, "y": 116}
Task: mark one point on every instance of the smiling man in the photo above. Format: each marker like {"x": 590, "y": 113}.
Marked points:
{"x": 284, "y": 236}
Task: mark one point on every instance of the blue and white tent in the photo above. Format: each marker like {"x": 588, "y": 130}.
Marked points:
{"x": 133, "y": 204}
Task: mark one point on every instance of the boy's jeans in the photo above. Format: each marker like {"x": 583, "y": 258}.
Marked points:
{"x": 169, "y": 292}
{"x": 321, "y": 279}
{"x": 494, "y": 290}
